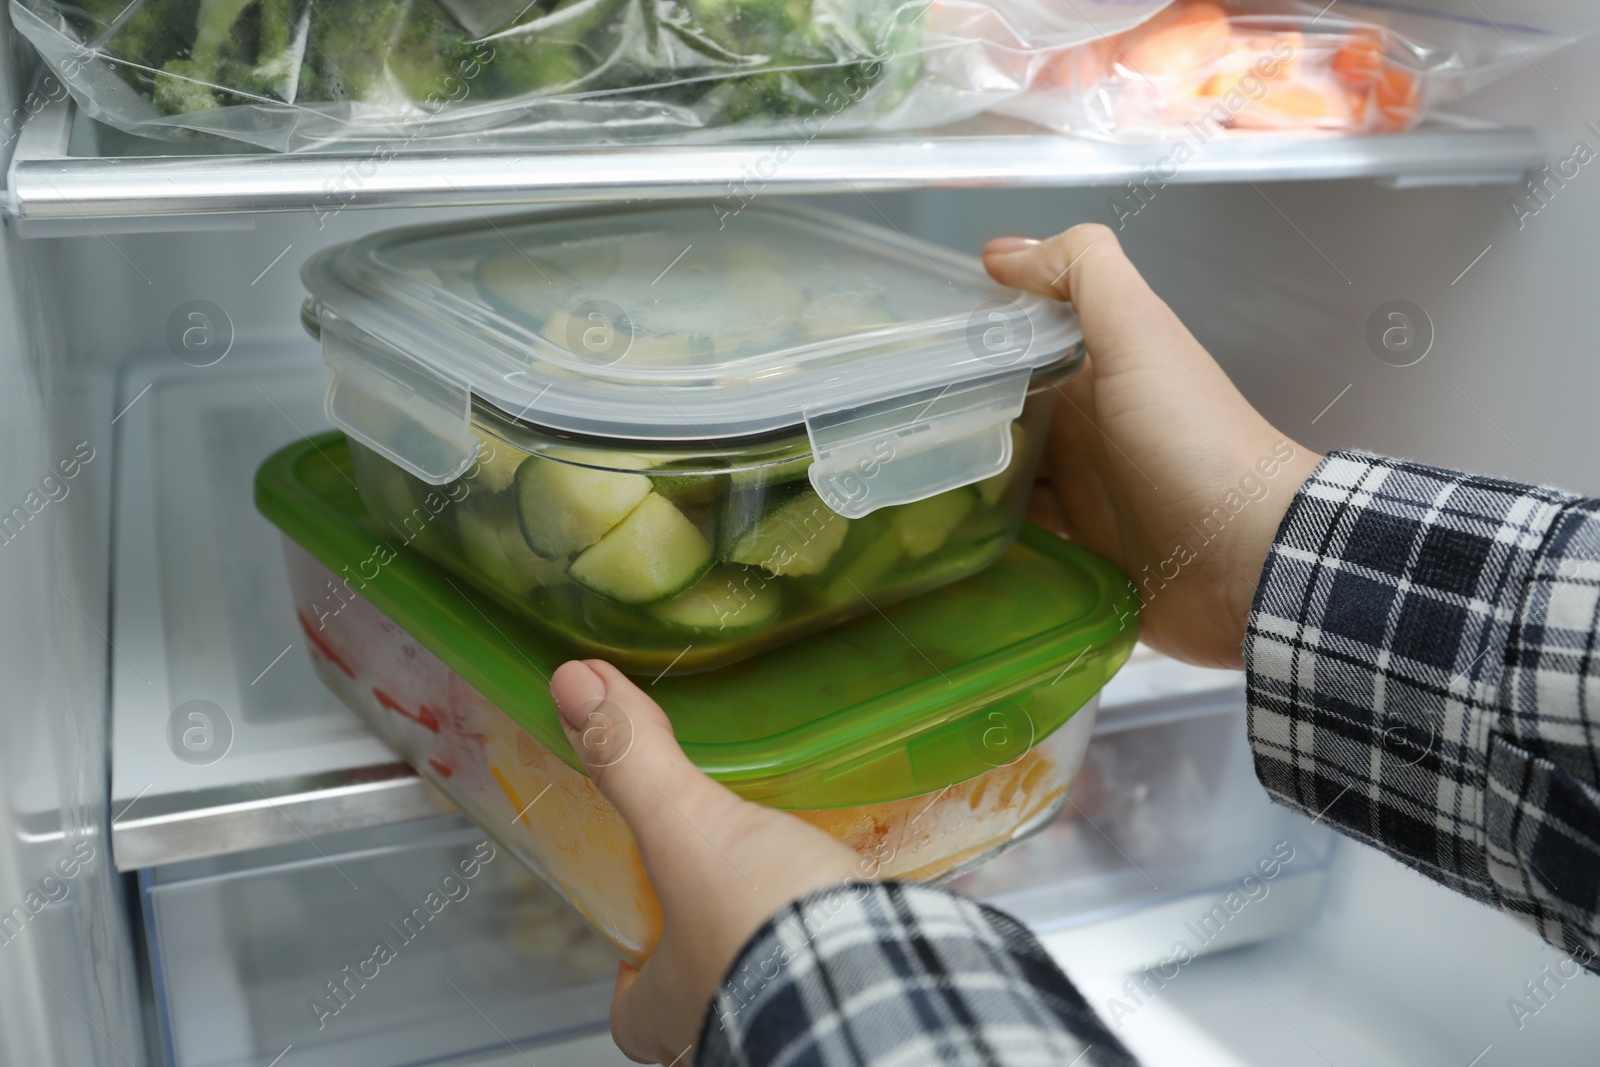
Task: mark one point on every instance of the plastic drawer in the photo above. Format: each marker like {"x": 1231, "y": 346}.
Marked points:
{"x": 256, "y": 952}
{"x": 1165, "y": 821}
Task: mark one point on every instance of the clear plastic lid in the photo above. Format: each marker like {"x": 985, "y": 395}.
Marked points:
{"x": 686, "y": 324}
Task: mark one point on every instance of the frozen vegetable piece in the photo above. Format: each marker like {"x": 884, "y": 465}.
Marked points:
{"x": 565, "y": 508}
{"x": 600, "y": 339}
{"x": 1398, "y": 98}
{"x": 783, "y": 472}
{"x": 689, "y": 489}
{"x": 190, "y": 81}
{"x": 990, "y": 490}
{"x": 865, "y": 569}
{"x": 794, "y": 538}
{"x": 983, "y": 524}
{"x": 1179, "y": 42}
{"x": 923, "y": 527}
{"x": 495, "y": 547}
{"x": 956, "y": 558}
{"x": 842, "y": 314}
{"x": 749, "y": 27}
{"x": 726, "y": 599}
{"x": 497, "y": 464}
{"x": 533, "y": 64}
{"x": 653, "y": 553}
{"x": 390, "y": 52}
{"x": 1359, "y": 60}
{"x": 516, "y": 281}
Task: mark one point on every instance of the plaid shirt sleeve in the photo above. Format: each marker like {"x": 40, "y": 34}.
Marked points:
{"x": 871, "y": 975}
{"x": 1424, "y": 673}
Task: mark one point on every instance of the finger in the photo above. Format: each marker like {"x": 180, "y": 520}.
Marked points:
{"x": 1121, "y": 315}
{"x": 625, "y": 1028}
{"x": 1050, "y": 267}
{"x": 625, "y": 742}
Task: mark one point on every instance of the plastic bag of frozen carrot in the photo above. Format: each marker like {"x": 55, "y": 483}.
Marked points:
{"x": 1200, "y": 66}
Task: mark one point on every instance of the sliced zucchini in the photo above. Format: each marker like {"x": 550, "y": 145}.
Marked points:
{"x": 393, "y": 491}
{"x": 405, "y": 506}
{"x": 521, "y": 283}
{"x": 727, "y": 599}
{"x": 495, "y": 548}
{"x": 596, "y": 339}
{"x": 864, "y": 533}
{"x": 653, "y": 553}
{"x": 844, "y": 315}
{"x": 689, "y": 489}
{"x": 604, "y": 459}
{"x": 990, "y": 490}
{"x": 495, "y": 466}
{"x": 956, "y": 560}
{"x": 983, "y": 523}
{"x": 763, "y": 475}
{"x": 794, "y": 538}
{"x": 863, "y": 574}
{"x": 564, "y": 508}
{"x": 925, "y": 525}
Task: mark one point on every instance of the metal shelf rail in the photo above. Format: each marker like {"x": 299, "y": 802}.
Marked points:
{"x": 54, "y": 186}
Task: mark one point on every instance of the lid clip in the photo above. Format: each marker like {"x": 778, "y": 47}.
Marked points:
{"x": 406, "y": 412}
{"x": 909, "y": 448}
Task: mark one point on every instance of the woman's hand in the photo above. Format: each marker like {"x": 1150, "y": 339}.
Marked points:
{"x": 720, "y": 865}
{"x": 1155, "y": 460}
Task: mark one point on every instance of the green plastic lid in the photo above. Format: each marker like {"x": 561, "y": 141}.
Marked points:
{"x": 927, "y": 693}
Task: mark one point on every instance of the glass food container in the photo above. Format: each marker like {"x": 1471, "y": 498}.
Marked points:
{"x": 674, "y": 437}
{"x": 929, "y": 736}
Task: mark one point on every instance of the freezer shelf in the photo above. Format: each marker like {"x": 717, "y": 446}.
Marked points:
{"x": 222, "y": 737}
{"x": 402, "y": 946}
{"x": 69, "y": 176}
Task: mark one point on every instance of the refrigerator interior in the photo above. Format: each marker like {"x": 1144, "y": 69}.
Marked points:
{"x": 1279, "y": 279}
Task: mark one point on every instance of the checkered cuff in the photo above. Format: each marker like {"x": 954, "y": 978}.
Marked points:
{"x": 865, "y": 975}
{"x": 1420, "y": 675}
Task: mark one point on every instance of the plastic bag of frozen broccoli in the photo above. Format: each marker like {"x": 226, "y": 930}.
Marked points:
{"x": 291, "y": 75}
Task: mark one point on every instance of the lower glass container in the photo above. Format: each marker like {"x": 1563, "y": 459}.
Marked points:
{"x": 552, "y": 818}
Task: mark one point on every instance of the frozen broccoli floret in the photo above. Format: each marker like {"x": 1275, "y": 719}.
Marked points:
{"x": 191, "y": 84}
{"x": 528, "y": 66}
{"x": 749, "y": 27}
{"x": 277, "y": 63}
{"x": 155, "y": 32}
{"x": 185, "y": 87}
{"x": 387, "y": 50}
{"x": 193, "y": 55}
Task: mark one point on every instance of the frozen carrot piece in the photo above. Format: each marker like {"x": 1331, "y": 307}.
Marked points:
{"x": 1359, "y": 60}
{"x": 1398, "y": 98}
{"x": 1081, "y": 66}
{"x": 1308, "y": 102}
{"x": 1179, "y": 42}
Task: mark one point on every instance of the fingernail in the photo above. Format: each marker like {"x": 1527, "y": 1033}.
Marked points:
{"x": 1004, "y": 246}
{"x": 571, "y": 708}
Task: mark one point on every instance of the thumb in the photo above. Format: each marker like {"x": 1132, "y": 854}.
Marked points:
{"x": 1123, "y": 319}
{"x": 626, "y": 744}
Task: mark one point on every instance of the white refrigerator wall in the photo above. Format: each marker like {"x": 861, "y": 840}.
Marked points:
{"x": 67, "y": 986}
{"x": 1279, "y": 281}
